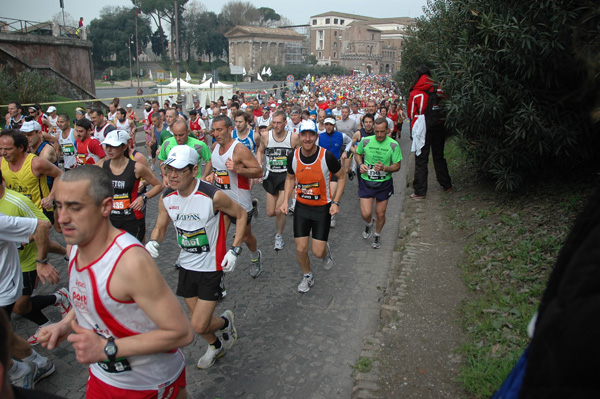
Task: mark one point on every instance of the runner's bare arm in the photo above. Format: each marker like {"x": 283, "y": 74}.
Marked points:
{"x": 41, "y": 167}
{"x": 46, "y": 272}
{"x": 244, "y": 163}
{"x": 260, "y": 152}
{"x": 207, "y": 175}
{"x": 136, "y": 277}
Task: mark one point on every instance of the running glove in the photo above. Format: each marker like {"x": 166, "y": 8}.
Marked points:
{"x": 152, "y": 248}
{"x": 229, "y": 261}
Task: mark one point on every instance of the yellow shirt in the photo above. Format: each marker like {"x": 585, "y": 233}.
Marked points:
{"x": 15, "y": 204}
{"x": 24, "y": 181}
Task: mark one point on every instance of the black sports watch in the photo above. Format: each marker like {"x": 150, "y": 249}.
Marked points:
{"x": 237, "y": 250}
{"x": 111, "y": 349}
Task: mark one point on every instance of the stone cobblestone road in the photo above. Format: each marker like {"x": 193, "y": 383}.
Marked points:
{"x": 290, "y": 345}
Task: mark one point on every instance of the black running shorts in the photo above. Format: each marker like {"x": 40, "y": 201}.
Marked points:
{"x": 312, "y": 218}
{"x": 275, "y": 182}
{"x": 203, "y": 285}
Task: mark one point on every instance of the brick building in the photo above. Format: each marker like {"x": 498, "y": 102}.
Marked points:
{"x": 371, "y": 45}
{"x": 252, "y": 47}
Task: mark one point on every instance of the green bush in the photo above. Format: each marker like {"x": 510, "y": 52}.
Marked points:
{"x": 519, "y": 92}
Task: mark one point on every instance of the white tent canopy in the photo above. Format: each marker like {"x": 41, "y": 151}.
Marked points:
{"x": 206, "y": 92}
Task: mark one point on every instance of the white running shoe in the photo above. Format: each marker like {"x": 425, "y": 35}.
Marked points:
{"x": 63, "y": 304}
{"x": 306, "y": 283}
{"x": 211, "y": 355}
{"x": 255, "y": 265}
{"x": 377, "y": 242}
{"x": 27, "y": 380}
{"x": 229, "y": 333}
{"x": 279, "y": 244}
{"x": 368, "y": 229}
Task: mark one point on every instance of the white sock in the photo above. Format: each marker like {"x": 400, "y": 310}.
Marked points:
{"x": 254, "y": 255}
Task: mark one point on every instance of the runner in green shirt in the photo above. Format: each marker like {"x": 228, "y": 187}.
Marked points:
{"x": 181, "y": 136}
{"x": 378, "y": 156}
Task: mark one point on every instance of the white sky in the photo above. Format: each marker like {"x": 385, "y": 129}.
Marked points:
{"x": 298, "y": 12}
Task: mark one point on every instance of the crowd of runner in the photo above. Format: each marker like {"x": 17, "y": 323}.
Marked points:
{"x": 84, "y": 176}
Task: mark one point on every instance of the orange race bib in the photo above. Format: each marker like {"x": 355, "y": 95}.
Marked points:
{"x": 121, "y": 203}
{"x": 222, "y": 179}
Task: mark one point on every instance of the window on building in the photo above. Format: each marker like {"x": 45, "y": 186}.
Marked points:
{"x": 320, "y": 54}
{"x": 314, "y": 21}
{"x": 335, "y": 33}
{"x": 335, "y": 21}
{"x": 320, "y": 40}
{"x": 372, "y": 36}
{"x": 335, "y": 54}
{"x": 334, "y": 44}
{"x": 327, "y": 21}
{"x": 341, "y": 22}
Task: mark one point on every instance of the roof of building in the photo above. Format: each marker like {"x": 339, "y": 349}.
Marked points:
{"x": 261, "y": 31}
{"x": 364, "y": 23}
{"x": 372, "y": 20}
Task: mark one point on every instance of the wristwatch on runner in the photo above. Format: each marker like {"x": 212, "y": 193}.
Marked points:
{"x": 111, "y": 349}
{"x": 237, "y": 250}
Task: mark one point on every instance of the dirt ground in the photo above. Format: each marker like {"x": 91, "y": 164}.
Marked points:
{"x": 418, "y": 353}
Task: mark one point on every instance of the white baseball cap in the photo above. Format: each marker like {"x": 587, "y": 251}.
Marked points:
{"x": 30, "y": 126}
{"x": 181, "y": 156}
{"x": 51, "y": 109}
{"x": 329, "y": 120}
{"x": 116, "y": 138}
{"x": 308, "y": 125}
{"x": 129, "y": 106}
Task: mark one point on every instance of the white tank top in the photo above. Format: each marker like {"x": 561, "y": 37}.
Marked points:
{"x": 98, "y": 311}
{"x": 237, "y": 187}
{"x": 68, "y": 147}
{"x": 198, "y": 228}
{"x": 276, "y": 153}
{"x": 123, "y": 126}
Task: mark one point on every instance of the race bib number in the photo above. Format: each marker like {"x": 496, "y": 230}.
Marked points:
{"x": 222, "y": 179}
{"x": 193, "y": 241}
{"x": 121, "y": 204}
{"x": 81, "y": 159}
{"x": 68, "y": 149}
{"x": 120, "y": 365}
{"x": 310, "y": 191}
{"x": 277, "y": 158}
{"x": 376, "y": 175}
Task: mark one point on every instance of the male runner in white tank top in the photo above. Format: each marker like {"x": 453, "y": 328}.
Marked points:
{"x": 231, "y": 168}
{"x": 197, "y": 210}
{"x": 276, "y": 145}
{"x": 126, "y": 323}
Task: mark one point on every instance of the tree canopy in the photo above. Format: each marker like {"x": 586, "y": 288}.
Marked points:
{"x": 111, "y": 33}
{"x": 520, "y": 95}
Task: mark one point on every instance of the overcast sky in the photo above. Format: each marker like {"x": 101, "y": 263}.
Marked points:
{"x": 298, "y": 12}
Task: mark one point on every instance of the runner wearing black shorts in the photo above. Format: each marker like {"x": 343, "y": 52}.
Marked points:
{"x": 315, "y": 203}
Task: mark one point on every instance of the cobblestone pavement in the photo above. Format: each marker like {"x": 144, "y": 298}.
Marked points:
{"x": 290, "y": 345}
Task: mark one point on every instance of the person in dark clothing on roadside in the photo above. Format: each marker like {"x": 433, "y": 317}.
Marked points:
{"x": 435, "y": 137}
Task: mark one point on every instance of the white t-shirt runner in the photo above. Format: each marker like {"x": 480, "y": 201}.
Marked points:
{"x": 198, "y": 228}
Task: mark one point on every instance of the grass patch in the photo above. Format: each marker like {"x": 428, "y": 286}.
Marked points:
{"x": 513, "y": 241}
{"x": 364, "y": 365}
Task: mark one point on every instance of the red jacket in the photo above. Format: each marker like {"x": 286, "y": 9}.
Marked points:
{"x": 417, "y": 100}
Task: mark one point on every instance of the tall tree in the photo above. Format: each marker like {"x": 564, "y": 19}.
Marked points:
{"x": 518, "y": 101}
{"x": 159, "y": 42}
{"x": 111, "y": 34}
{"x": 237, "y": 12}
{"x": 267, "y": 16}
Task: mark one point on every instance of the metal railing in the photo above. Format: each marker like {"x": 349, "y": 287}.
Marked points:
{"x": 48, "y": 28}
